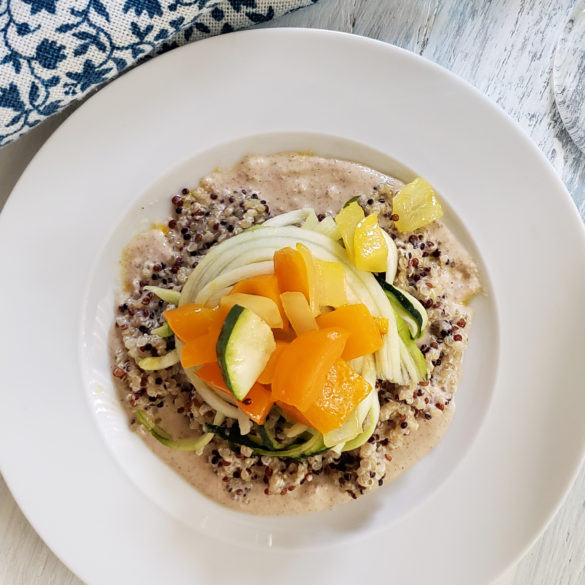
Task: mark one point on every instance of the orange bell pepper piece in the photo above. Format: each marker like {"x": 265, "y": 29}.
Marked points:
{"x": 343, "y": 390}
{"x": 312, "y": 276}
{"x": 265, "y": 285}
{"x": 364, "y": 334}
{"x": 200, "y": 350}
{"x": 267, "y": 374}
{"x": 292, "y": 412}
{"x": 193, "y": 320}
{"x": 291, "y": 271}
{"x": 258, "y": 401}
{"x": 303, "y": 365}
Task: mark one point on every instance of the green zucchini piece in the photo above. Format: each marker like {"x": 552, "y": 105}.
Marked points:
{"x": 243, "y": 349}
{"x": 160, "y": 362}
{"x": 298, "y": 450}
{"x": 188, "y": 444}
{"x": 407, "y": 307}
{"x": 165, "y": 294}
{"x": 370, "y": 424}
{"x": 233, "y": 436}
{"x": 350, "y": 201}
{"x": 268, "y": 439}
{"x": 295, "y": 430}
{"x": 415, "y": 354}
{"x": 392, "y": 258}
{"x": 271, "y": 442}
{"x": 162, "y": 331}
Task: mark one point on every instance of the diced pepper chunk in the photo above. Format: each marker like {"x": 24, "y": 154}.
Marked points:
{"x": 265, "y": 285}
{"x": 364, "y": 334}
{"x": 267, "y": 374}
{"x": 370, "y": 248}
{"x": 200, "y": 350}
{"x": 291, "y": 272}
{"x": 292, "y": 412}
{"x": 298, "y": 312}
{"x": 347, "y": 220}
{"x": 258, "y": 401}
{"x": 342, "y": 391}
{"x": 189, "y": 321}
{"x": 192, "y": 320}
{"x": 330, "y": 283}
{"x": 416, "y": 206}
{"x": 304, "y": 364}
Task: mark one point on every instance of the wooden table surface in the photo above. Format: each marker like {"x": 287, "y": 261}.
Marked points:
{"x": 505, "y": 49}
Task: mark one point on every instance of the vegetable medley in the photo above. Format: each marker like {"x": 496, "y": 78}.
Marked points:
{"x": 298, "y": 317}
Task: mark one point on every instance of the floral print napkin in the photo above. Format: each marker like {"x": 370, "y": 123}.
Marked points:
{"x": 53, "y": 52}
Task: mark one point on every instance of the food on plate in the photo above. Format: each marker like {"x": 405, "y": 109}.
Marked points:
{"x": 293, "y": 336}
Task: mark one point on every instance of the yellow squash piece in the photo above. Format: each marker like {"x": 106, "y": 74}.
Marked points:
{"x": 347, "y": 220}
{"x": 370, "y": 248}
{"x": 298, "y": 312}
{"x": 311, "y": 277}
{"x": 416, "y": 206}
{"x": 264, "y": 307}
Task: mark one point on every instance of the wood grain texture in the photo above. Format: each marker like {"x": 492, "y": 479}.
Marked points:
{"x": 505, "y": 49}
{"x": 24, "y": 558}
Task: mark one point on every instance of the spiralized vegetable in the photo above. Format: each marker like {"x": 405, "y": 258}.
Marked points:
{"x": 222, "y": 266}
{"x": 250, "y": 254}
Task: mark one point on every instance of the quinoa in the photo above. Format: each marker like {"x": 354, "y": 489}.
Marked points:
{"x": 202, "y": 218}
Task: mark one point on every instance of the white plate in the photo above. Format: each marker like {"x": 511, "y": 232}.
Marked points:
{"x": 109, "y": 508}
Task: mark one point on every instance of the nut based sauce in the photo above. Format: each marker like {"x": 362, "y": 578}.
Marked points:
{"x": 286, "y": 182}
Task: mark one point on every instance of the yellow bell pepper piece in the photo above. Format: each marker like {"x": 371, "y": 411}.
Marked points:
{"x": 416, "y": 206}
{"x": 347, "y": 220}
{"x": 370, "y": 248}
{"x": 330, "y": 283}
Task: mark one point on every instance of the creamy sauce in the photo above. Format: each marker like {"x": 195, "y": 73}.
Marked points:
{"x": 316, "y": 495}
{"x": 148, "y": 246}
{"x": 287, "y": 182}
{"x": 463, "y": 279}
{"x": 292, "y": 181}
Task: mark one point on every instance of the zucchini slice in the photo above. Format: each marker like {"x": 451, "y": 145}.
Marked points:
{"x": 407, "y": 307}
{"x": 160, "y": 362}
{"x": 165, "y": 294}
{"x": 162, "y": 331}
{"x": 297, "y": 450}
{"x": 243, "y": 349}
{"x": 187, "y": 444}
{"x": 392, "y": 260}
{"x": 413, "y": 359}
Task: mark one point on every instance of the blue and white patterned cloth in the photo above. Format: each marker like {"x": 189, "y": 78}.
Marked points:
{"x": 53, "y": 52}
